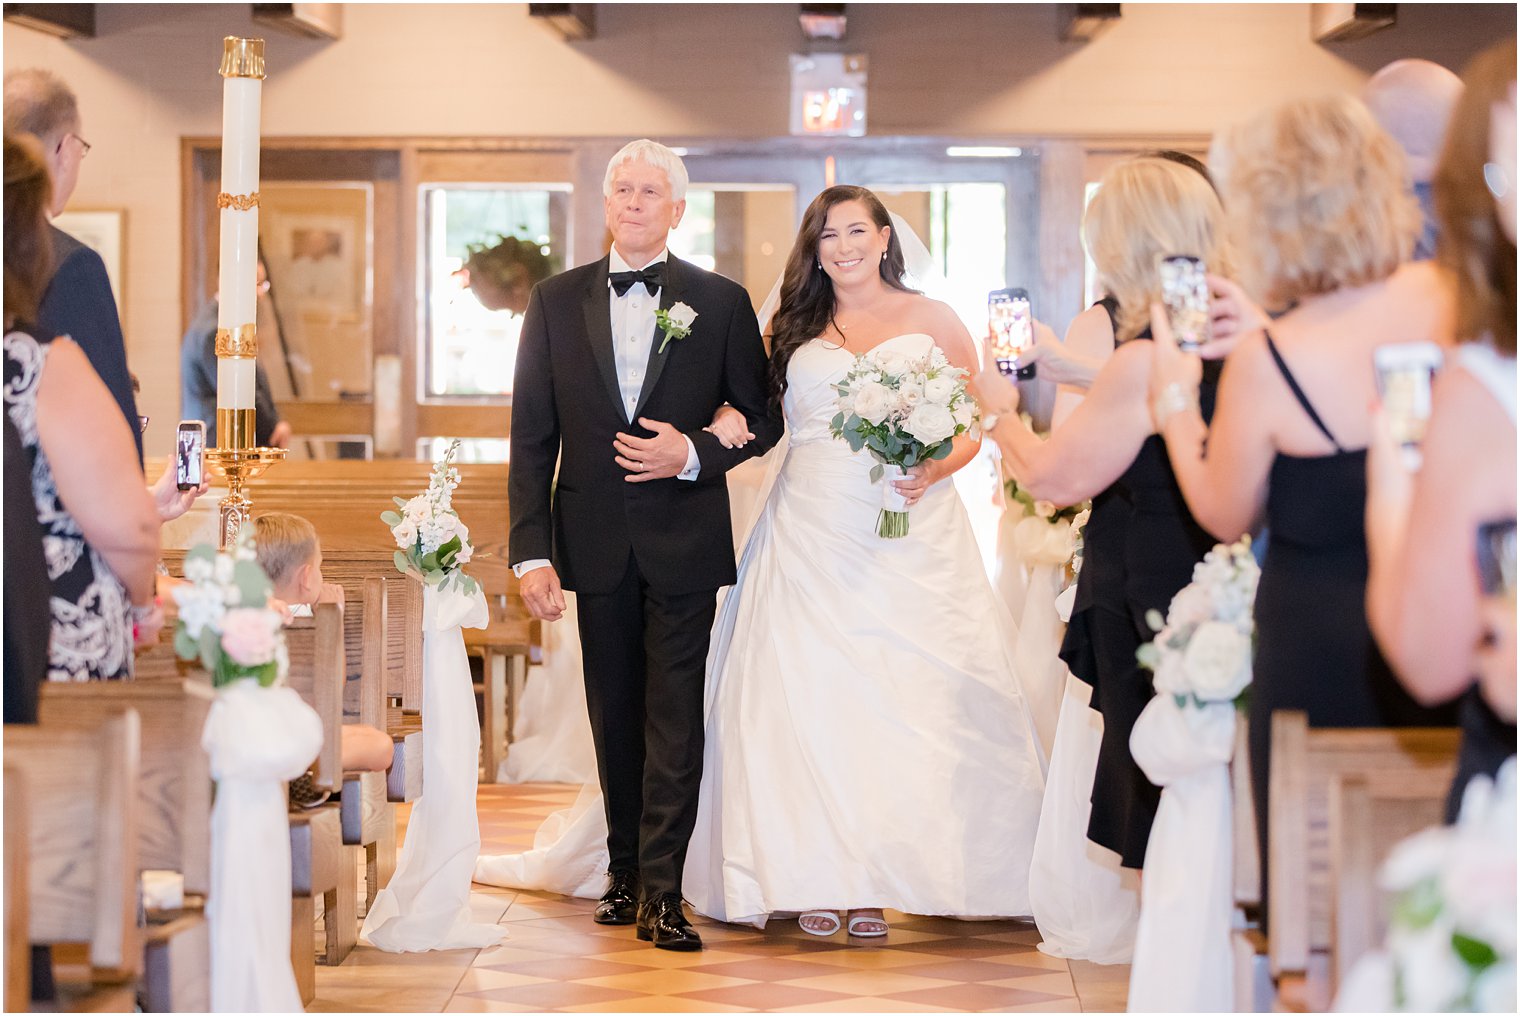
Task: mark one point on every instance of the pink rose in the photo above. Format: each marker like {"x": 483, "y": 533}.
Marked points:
{"x": 249, "y": 635}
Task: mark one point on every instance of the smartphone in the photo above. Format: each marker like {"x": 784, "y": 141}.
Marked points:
{"x": 1405, "y": 371}
{"x": 1011, "y": 323}
{"x": 1185, "y": 292}
{"x": 189, "y": 454}
{"x": 1496, "y": 558}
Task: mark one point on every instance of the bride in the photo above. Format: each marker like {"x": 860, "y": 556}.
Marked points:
{"x": 867, "y": 741}
{"x": 868, "y": 745}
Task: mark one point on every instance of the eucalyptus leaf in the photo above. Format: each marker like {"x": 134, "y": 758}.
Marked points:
{"x": 400, "y": 502}
{"x": 252, "y": 584}
{"x": 185, "y": 647}
{"x": 429, "y": 562}
{"x": 201, "y": 552}
{"x": 941, "y": 451}
{"x": 433, "y": 578}
{"x": 210, "y": 649}
{"x": 391, "y": 519}
{"x": 1154, "y": 619}
{"x": 403, "y": 564}
{"x": 877, "y": 472}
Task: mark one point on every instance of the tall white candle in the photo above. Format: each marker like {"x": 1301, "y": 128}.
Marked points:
{"x": 237, "y": 344}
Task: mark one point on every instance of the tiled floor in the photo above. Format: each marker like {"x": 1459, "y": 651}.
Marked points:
{"x": 556, "y": 959}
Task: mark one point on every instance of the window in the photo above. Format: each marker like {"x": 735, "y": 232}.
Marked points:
{"x": 469, "y": 350}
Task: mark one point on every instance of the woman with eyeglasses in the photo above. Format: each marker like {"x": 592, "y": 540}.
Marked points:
{"x": 99, "y": 523}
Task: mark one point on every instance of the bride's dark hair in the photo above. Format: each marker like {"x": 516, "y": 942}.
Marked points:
{"x": 807, "y": 294}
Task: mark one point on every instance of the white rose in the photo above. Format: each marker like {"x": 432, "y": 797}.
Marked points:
{"x": 1170, "y": 677}
{"x": 939, "y": 390}
{"x": 1191, "y": 606}
{"x": 930, "y": 424}
{"x": 963, "y": 413}
{"x": 1218, "y": 661}
{"x": 681, "y": 315}
{"x": 871, "y": 403}
{"x": 1433, "y": 976}
{"x": 465, "y": 553}
{"x": 405, "y": 533}
{"x": 1494, "y": 990}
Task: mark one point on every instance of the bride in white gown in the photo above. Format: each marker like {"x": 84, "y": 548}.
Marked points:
{"x": 867, "y": 742}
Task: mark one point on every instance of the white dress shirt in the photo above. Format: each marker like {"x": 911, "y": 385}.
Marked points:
{"x": 633, "y": 325}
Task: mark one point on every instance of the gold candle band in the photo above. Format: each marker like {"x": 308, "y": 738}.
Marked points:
{"x": 235, "y": 428}
{"x": 240, "y": 343}
{"x": 242, "y": 58}
{"x": 242, "y": 202}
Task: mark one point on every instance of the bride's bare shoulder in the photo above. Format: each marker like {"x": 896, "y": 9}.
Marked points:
{"x": 932, "y": 315}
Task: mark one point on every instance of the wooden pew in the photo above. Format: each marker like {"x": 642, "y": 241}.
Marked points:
{"x": 1369, "y": 814}
{"x": 174, "y": 827}
{"x": 1305, "y": 763}
{"x": 317, "y": 659}
{"x": 82, "y": 850}
{"x": 320, "y": 865}
{"x": 18, "y": 943}
{"x": 1254, "y": 989}
{"x": 344, "y": 501}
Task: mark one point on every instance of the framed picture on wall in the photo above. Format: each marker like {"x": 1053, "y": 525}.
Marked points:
{"x": 103, "y": 230}
{"x": 317, "y": 241}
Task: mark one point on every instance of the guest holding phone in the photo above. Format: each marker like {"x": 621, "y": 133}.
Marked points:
{"x": 1288, "y": 444}
{"x": 1140, "y": 544}
{"x": 1429, "y": 533}
{"x": 100, "y": 525}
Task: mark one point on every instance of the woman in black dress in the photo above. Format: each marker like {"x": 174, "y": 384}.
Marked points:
{"x": 1140, "y": 544}
{"x": 1424, "y": 585}
{"x": 1320, "y": 207}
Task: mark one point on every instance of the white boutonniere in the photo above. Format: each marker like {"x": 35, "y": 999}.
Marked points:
{"x": 676, "y": 322}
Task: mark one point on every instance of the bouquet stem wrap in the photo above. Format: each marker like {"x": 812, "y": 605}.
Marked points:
{"x": 1183, "y": 961}
{"x": 427, "y": 904}
{"x": 892, "y": 523}
{"x": 256, "y": 738}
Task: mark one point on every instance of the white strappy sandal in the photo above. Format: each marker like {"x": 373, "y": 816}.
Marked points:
{"x": 858, "y": 920}
{"x": 821, "y": 915}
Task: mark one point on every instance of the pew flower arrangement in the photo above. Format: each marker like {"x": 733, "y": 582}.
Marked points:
{"x": 1202, "y": 650}
{"x": 224, "y": 618}
{"x": 1044, "y": 534}
{"x": 1451, "y": 933}
{"x": 904, "y": 411}
{"x": 433, "y": 542}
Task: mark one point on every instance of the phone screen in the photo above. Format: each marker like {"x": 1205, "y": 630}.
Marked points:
{"x": 1011, "y": 324}
{"x": 1185, "y": 291}
{"x": 1404, "y": 372}
{"x": 189, "y": 454}
{"x": 1496, "y": 558}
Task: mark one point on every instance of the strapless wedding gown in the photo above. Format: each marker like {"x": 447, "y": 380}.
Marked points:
{"x": 868, "y": 743}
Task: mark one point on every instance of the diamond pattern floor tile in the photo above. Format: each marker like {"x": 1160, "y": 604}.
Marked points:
{"x": 555, "y": 959}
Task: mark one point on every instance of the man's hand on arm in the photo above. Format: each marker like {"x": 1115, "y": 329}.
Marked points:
{"x": 669, "y": 453}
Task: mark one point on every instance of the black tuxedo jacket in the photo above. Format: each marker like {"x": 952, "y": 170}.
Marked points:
{"x": 566, "y": 405}
{"x": 78, "y": 303}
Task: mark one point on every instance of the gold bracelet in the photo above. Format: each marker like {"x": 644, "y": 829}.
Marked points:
{"x": 1174, "y": 398}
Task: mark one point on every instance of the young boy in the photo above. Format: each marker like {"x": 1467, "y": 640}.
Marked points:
{"x": 291, "y": 555}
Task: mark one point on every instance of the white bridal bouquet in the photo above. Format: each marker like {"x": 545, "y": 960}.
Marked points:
{"x": 434, "y": 543}
{"x": 904, "y": 411}
{"x": 1202, "y": 652}
{"x": 1451, "y": 931}
{"x": 224, "y": 616}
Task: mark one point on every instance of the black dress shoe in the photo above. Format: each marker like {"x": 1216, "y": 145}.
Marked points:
{"x": 662, "y": 921}
{"x": 620, "y": 903}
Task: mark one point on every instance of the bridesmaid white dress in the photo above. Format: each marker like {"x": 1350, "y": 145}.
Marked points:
{"x": 868, "y": 743}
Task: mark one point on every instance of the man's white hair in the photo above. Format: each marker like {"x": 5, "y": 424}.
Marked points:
{"x": 654, "y": 154}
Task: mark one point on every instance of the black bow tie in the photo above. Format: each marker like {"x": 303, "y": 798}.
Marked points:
{"x": 653, "y": 277}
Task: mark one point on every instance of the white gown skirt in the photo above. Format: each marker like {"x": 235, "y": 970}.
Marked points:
{"x": 868, "y": 743}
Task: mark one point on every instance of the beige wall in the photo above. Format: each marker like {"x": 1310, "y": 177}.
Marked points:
{"x": 149, "y": 78}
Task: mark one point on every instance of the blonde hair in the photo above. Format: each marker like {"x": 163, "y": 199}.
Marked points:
{"x": 282, "y": 543}
{"x": 1148, "y": 207}
{"x": 1319, "y": 198}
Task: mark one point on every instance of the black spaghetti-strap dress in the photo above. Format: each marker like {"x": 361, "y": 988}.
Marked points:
{"x": 1314, "y": 650}
{"x": 1139, "y": 549}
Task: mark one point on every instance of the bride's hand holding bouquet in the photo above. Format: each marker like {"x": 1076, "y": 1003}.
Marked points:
{"x": 907, "y": 412}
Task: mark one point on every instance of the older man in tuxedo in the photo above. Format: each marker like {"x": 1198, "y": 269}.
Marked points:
{"x": 620, "y": 366}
